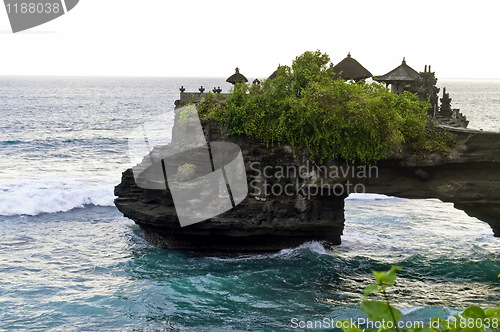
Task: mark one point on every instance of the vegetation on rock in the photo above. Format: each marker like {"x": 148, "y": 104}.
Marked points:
{"x": 187, "y": 168}
{"x": 307, "y": 109}
{"x": 390, "y": 319}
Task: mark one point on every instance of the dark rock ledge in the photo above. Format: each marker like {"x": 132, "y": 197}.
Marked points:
{"x": 469, "y": 177}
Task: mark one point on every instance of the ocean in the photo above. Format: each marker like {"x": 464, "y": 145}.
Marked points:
{"x": 70, "y": 261}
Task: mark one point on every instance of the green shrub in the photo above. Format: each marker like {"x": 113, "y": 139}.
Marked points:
{"x": 472, "y": 319}
{"x": 305, "y": 108}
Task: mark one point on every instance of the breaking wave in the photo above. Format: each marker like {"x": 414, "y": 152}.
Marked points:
{"x": 52, "y": 195}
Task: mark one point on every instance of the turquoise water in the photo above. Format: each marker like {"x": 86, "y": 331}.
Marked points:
{"x": 69, "y": 261}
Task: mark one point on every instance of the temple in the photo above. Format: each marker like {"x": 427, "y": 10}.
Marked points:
{"x": 237, "y": 77}
{"x": 423, "y": 84}
{"x": 349, "y": 69}
{"x": 400, "y": 79}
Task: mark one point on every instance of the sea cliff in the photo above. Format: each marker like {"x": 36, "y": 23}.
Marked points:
{"x": 292, "y": 199}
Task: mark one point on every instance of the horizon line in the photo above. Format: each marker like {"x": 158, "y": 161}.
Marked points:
{"x": 188, "y": 76}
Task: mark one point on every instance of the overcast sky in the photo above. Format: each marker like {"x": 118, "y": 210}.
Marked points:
{"x": 210, "y": 38}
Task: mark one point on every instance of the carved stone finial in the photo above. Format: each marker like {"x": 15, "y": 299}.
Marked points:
{"x": 404, "y": 60}
{"x": 201, "y": 89}
{"x": 349, "y": 54}
{"x": 237, "y": 70}
{"x": 182, "y": 89}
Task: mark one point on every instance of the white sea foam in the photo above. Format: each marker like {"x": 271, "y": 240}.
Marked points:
{"x": 362, "y": 196}
{"x": 51, "y": 195}
{"x": 314, "y": 246}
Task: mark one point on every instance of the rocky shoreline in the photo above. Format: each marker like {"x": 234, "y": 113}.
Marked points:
{"x": 271, "y": 218}
{"x": 259, "y": 223}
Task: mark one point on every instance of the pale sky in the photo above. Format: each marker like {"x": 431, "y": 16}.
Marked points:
{"x": 210, "y": 38}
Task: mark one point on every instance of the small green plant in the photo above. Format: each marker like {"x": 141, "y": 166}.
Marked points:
{"x": 187, "y": 168}
{"x": 472, "y": 319}
{"x": 186, "y": 113}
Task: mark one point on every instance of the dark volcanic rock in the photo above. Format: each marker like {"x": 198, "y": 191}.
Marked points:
{"x": 469, "y": 177}
{"x": 312, "y": 208}
{"x": 260, "y": 223}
